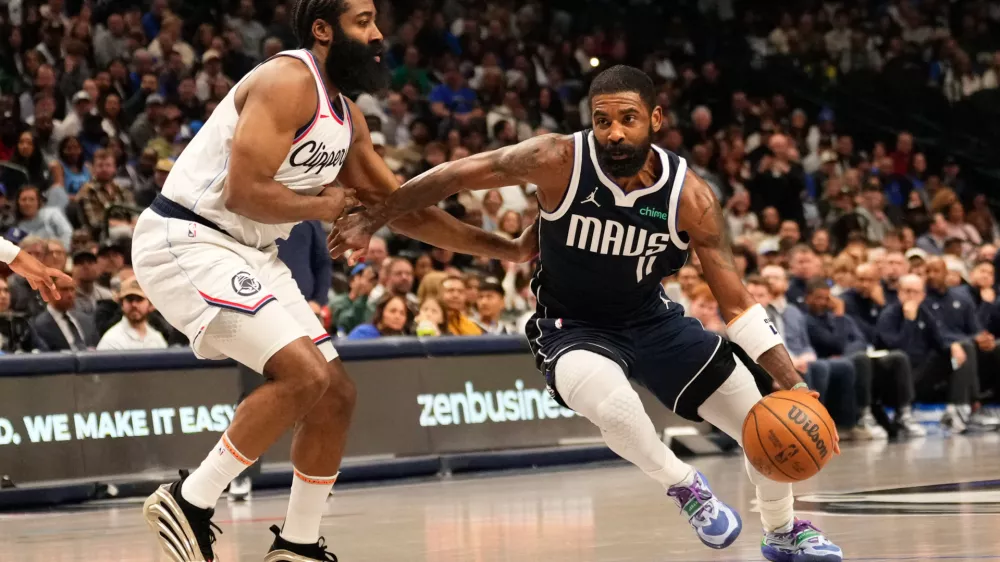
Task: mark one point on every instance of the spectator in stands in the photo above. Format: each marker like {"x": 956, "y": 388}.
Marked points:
{"x": 101, "y": 194}
{"x": 834, "y": 379}
{"x": 961, "y": 230}
{"x": 982, "y": 288}
{"x": 85, "y": 275}
{"x": 392, "y": 318}
{"x": 111, "y": 261}
{"x": 803, "y": 264}
{"x": 877, "y": 224}
{"x": 454, "y": 102}
{"x": 937, "y": 233}
{"x": 865, "y": 301}
{"x": 132, "y": 332}
{"x": 430, "y": 319}
{"x": 15, "y": 331}
{"x": 72, "y": 171}
{"x": 738, "y": 216}
{"x": 894, "y": 268}
{"x": 779, "y": 182}
{"x": 489, "y": 308}
{"x": 705, "y": 309}
{"x": 44, "y": 222}
{"x": 679, "y": 290}
{"x": 306, "y": 255}
{"x": 143, "y": 128}
{"x": 912, "y": 326}
{"x": 351, "y": 309}
{"x": 455, "y": 306}
{"x": 377, "y": 252}
{"x": 886, "y": 373}
{"x": 842, "y": 275}
{"x": 31, "y": 162}
{"x": 60, "y": 328}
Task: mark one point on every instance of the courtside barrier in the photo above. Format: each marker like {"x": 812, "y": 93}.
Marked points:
{"x": 77, "y": 421}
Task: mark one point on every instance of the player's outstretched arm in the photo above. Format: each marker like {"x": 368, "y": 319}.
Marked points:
{"x": 545, "y": 161}
{"x": 41, "y": 277}
{"x": 375, "y": 184}
{"x": 747, "y": 323}
{"x": 277, "y": 99}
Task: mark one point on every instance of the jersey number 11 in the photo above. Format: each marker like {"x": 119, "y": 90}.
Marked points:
{"x": 644, "y": 268}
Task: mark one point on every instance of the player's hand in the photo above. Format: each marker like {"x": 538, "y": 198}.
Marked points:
{"x": 910, "y": 310}
{"x": 41, "y": 278}
{"x": 878, "y": 294}
{"x": 986, "y": 341}
{"x": 958, "y": 354}
{"x": 836, "y": 436}
{"x": 351, "y": 232}
{"x": 527, "y": 243}
{"x": 338, "y": 201}
{"x": 838, "y": 306}
{"x": 988, "y": 294}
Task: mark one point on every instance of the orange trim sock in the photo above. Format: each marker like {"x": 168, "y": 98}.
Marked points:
{"x": 205, "y": 485}
{"x": 306, "y": 506}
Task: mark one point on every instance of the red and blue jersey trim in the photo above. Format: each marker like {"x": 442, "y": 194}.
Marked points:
{"x": 329, "y": 103}
{"x": 322, "y": 339}
{"x": 254, "y": 309}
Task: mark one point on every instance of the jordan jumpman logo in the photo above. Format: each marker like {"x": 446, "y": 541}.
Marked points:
{"x": 591, "y": 198}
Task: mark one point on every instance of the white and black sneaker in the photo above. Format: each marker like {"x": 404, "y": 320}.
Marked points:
{"x": 186, "y": 533}
{"x": 240, "y": 489}
{"x": 285, "y": 551}
{"x": 952, "y": 421}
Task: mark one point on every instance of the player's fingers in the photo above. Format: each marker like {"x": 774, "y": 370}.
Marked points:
{"x": 338, "y": 250}
{"x": 355, "y": 257}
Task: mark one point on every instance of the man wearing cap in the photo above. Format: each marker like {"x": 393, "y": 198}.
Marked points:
{"x": 211, "y": 68}
{"x": 133, "y": 331}
{"x": 143, "y": 129}
{"x": 490, "y": 308}
{"x": 85, "y": 274}
{"x": 167, "y": 131}
{"x": 72, "y": 125}
{"x": 351, "y": 309}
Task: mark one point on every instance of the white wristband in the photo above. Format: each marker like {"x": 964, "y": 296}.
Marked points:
{"x": 8, "y": 250}
{"x": 753, "y": 331}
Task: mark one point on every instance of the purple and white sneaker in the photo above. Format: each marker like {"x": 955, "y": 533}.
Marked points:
{"x": 799, "y": 542}
{"x": 716, "y": 524}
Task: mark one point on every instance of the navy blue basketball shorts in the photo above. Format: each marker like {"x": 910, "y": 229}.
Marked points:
{"x": 674, "y": 357}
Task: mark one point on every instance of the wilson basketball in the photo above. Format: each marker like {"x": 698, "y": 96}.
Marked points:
{"x": 788, "y": 436}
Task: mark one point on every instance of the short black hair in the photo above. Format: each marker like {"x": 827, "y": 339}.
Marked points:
{"x": 815, "y": 284}
{"x": 622, "y": 78}
{"x": 305, "y": 12}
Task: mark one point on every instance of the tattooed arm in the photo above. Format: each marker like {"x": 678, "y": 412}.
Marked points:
{"x": 545, "y": 161}
{"x": 701, "y": 216}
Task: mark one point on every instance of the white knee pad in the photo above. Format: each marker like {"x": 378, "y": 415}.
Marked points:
{"x": 622, "y": 418}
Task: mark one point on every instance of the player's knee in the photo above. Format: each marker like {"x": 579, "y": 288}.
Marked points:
{"x": 621, "y": 412}
{"x": 310, "y": 384}
{"x": 342, "y": 394}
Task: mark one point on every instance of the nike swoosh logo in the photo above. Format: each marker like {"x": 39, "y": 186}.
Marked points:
{"x": 321, "y": 116}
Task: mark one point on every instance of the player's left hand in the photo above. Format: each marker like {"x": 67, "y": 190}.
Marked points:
{"x": 351, "y": 232}
{"x": 527, "y": 244}
{"x": 41, "y": 278}
{"x": 836, "y": 436}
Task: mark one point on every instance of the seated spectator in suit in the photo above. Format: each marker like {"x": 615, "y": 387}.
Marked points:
{"x": 894, "y": 267}
{"x": 833, "y": 379}
{"x": 912, "y": 326}
{"x": 453, "y": 298}
{"x": 392, "y": 318}
{"x": 957, "y": 315}
{"x": 60, "y": 328}
{"x": 133, "y": 331}
{"x": 15, "y": 331}
{"x": 884, "y": 373}
{"x": 803, "y": 264}
{"x": 865, "y": 301}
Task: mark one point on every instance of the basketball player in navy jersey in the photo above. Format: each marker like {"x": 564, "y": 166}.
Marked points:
{"x": 204, "y": 253}
{"x": 618, "y": 215}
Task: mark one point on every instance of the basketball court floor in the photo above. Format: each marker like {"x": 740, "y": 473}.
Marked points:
{"x": 933, "y": 499}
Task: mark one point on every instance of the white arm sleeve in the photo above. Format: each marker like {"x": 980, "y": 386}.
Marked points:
{"x": 8, "y": 250}
{"x": 752, "y": 330}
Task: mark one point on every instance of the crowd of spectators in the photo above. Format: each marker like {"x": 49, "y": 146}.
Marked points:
{"x": 874, "y": 260}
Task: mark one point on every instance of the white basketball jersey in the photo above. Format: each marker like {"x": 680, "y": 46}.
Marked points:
{"x": 314, "y": 160}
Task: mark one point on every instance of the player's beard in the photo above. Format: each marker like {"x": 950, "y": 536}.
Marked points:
{"x": 352, "y": 67}
{"x": 635, "y": 157}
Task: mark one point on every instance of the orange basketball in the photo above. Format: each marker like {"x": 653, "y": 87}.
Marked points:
{"x": 788, "y": 436}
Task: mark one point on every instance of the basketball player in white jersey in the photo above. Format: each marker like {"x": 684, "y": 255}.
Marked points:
{"x": 204, "y": 253}
{"x": 41, "y": 278}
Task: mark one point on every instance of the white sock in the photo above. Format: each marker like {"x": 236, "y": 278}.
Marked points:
{"x": 305, "y": 507}
{"x": 672, "y": 470}
{"x": 205, "y": 485}
{"x": 775, "y": 514}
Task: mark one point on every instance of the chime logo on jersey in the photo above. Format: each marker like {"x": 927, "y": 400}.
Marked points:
{"x": 315, "y": 155}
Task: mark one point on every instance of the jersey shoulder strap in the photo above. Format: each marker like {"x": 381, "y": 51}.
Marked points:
{"x": 574, "y": 182}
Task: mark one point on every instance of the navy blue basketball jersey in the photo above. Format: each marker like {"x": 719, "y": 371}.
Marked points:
{"x": 603, "y": 252}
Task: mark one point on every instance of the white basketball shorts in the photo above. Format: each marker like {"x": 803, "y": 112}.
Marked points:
{"x": 191, "y": 272}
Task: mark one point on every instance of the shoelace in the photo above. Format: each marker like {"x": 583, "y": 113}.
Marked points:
{"x": 329, "y": 556}
{"x": 204, "y": 530}
{"x": 694, "y": 491}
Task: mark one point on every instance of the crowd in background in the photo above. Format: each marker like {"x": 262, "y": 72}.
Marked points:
{"x": 847, "y": 244}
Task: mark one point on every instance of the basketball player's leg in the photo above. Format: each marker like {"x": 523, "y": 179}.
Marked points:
{"x": 786, "y": 538}
{"x": 596, "y": 387}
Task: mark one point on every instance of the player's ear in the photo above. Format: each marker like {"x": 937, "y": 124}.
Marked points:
{"x": 322, "y": 31}
{"x": 656, "y": 119}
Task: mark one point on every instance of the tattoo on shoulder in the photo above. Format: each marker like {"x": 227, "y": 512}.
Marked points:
{"x": 713, "y": 229}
